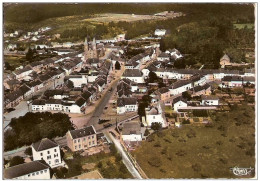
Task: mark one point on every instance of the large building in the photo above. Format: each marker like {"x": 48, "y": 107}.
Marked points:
{"x": 32, "y": 170}
{"x": 90, "y": 51}
{"x": 47, "y": 150}
{"x": 82, "y": 139}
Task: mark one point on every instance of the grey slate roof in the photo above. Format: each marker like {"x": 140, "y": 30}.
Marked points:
{"x": 177, "y": 99}
{"x": 133, "y": 127}
{"x": 44, "y": 144}
{"x": 38, "y": 102}
{"x": 210, "y": 97}
{"x": 163, "y": 90}
{"x": 82, "y": 132}
{"x": 80, "y": 101}
{"x": 126, "y": 101}
{"x": 24, "y": 169}
{"x": 132, "y": 73}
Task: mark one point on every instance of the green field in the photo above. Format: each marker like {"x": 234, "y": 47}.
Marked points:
{"x": 14, "y": 61}
{"x": 241, "y": 26}
{"x": 199, "y": 151}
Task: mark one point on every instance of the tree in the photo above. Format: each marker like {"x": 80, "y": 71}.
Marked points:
{"x": 147, "y": 132}
{"x": 29, "y": 54}
{"x": 162, "y": 45}
{"x": 28, "y": 151}
{"x": 17, "y": 160}
{"x": 117, "y": 65}
{"x": 8, "y": 66}
{"x": 156, "y": 126}
{"x": 70, "y": 84}
{"x": 186, "y": 95}
{"x": 152, "y": 77}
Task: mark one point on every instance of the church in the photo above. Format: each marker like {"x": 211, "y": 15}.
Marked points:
{"x": 93, "y": 50}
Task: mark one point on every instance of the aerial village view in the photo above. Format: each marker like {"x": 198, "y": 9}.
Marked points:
{"x": 129, "y": 90}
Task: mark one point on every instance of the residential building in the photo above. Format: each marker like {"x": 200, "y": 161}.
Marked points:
{"x": 159, "y": 32}
{"x": 47, "y": 150}
{"x": 164, "y": 93}
{"x": 209, "y": 100}
{"x": 29, "y": 171}
{"x": 81, "y": 139}
{"x": 178, "y": 103}
{"x": 128, "y": 104}
{"x": 225, "y": 60}
{"x": 155, "y": 114}
{"x": 131, "y": 131}
{"x": 134, "y": 75}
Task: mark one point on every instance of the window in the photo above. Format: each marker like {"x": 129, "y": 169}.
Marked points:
{"x": 41, "y": 172}
{"x": 92, "y": 137}
{"x": 79, "y": 146}
{"x": 48, "y": 152}
{"x": 93, "y": 142}
{"x": 33, "y": 174}
{"x": 49, "y": 162}
{"x": 45, "y": 171}
{"x": 56, "y": 155}
{"x": 41, "y": 158}
{"x": 75, "y": 147}
{"x": 55, "y": 150}
{"x": 37, "y": 173}
{"x": 89, "y": 143}
{"x": 89, "y": 137}
{"x": 78, "y": 140}
{"x": 29, "y": 175}
{"x": 57, "y": 161}
{"x": 84, "y": 139}
{"x": 75, "y": 141}
{"x": 49, "y": 157}
{"x": 41, "y": 154}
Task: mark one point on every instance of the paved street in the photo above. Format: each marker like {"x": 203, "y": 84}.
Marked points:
{"x": 99, "y": 109}
{"x": 129, "y": 165}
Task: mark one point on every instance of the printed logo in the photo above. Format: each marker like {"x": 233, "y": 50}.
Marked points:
{"x": 241, "y": 171}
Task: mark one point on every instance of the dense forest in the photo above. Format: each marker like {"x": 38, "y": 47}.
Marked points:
{"x": 203, "y": 35}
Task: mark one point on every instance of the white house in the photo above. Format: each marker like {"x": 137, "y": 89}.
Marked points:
{"x": 160, "y": 32}
{"x": 92, "y": 77}
{"x": 180, "y": 87}
{"x": 163, "y": 57}
{"x": 178, "y": 103}
{"x": 131, "y": 131}
{"x": 127, "y": 104}
{"x": 29, "y": 171}
{"x": 209, "y": 100}
{"x": 155, "y": 114}
{"x": 78, "y": 80}
{"x": 21, "y": 73}
{"x": 174, "y": 53}
{"x": 47, "y": 150}
{"x": 134, "y": 75}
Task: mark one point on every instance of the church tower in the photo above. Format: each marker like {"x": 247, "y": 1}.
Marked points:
{"x": 86, "y": 49}
{"x": 94, "y": 48}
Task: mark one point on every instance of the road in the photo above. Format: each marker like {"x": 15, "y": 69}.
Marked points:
{"x": 129, "y": 165}
{"x": 103, "y": 102}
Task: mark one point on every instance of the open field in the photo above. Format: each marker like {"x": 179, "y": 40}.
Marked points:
{"x": 109, "y": 17}
{"x": 14, "y": 61}
{"x": 199, "y": 151}
{"x": 241, "y": 26}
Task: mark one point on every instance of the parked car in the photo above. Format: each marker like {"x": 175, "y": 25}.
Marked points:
{"x": 107, "y": 125}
